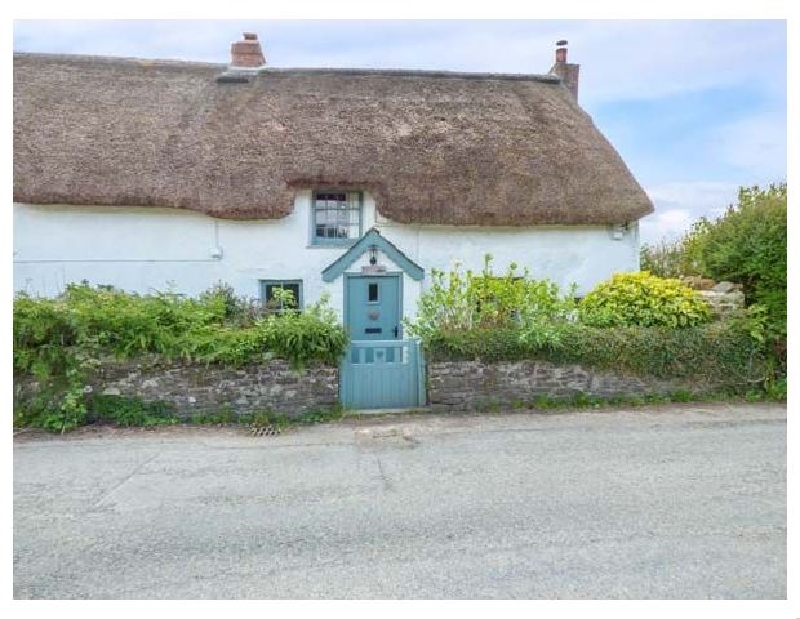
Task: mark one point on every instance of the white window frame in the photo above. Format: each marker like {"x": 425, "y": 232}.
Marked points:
{"x": 355, "y": 204}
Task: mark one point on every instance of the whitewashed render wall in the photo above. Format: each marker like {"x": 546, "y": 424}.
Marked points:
{"x": 141, "y": 250}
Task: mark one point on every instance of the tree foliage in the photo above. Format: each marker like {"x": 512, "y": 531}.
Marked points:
{"x": 666, "y": 259}
{"x": 747, "y": 245}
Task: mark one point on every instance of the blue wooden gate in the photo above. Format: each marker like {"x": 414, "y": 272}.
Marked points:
{"x": 382, "y": 374}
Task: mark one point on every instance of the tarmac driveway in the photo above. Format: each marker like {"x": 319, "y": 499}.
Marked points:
{"x": 649, "y": 503}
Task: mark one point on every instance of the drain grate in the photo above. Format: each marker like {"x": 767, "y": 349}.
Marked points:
{"x": 266, "y": 430}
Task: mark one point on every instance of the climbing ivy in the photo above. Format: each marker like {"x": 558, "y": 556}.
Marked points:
{"x": 723, "y": 353}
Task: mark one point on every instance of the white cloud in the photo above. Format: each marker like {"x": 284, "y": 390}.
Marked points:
{"x": 651, "y": 59}
{"x": 669, "y": 224}
{"x": 755, "y": 144}
{"x": 679, "y": 204}
{"x": 620, "y": 59}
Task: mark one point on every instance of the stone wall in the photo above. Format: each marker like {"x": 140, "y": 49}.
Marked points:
{"x": 723, "y": 297}
{"x": 472, "y": 385}
{"x": 272, "y": 385}
{"x": 723, "y": 303}
{"x": 275, "y": 386}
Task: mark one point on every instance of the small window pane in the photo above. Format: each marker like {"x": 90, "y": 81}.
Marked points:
{"x": 295, "y": 289}
{"x": 372, "y": 294}
{"x": 276, "y": 305}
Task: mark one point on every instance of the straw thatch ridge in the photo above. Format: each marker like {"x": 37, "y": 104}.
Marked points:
{"x": 434, "y": 147}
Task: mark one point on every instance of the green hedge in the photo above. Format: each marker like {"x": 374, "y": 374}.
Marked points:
{"x": 62, "y": 341}
{"x": 722, "y": 352}
{"x": 93, "y": 321}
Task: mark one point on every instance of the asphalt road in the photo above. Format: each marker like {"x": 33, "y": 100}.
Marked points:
{"x": 651, "y": 503}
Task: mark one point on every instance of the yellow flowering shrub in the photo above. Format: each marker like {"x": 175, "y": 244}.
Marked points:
{"x": 643, "y": 300}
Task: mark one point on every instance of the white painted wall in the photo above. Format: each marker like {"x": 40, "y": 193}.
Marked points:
{"x": 144, "y": 249}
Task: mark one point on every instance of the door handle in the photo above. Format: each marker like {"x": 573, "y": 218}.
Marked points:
{"x": 395, "y": 331}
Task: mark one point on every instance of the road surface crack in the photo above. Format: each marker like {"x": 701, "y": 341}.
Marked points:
{"x": 387, "y": 484}
{"x": 124, "y": 480}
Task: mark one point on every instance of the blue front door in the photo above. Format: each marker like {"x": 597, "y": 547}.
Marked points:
{"x": 380, "y": 370}
{"x": 373, "y": 307}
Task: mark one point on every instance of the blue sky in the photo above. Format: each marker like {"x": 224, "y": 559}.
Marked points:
{"x": 696, "y": 108}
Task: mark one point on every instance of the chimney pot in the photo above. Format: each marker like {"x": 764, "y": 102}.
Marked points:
{"x": 247, "y": 53}
{"x": 568, "y": 72}
{"x": 561, "y": 50}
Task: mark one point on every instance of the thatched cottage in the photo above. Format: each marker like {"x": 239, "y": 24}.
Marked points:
{"x": 146, "y": 174}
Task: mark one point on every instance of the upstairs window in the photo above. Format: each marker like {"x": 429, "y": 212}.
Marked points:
{"x": 337, "y": 217}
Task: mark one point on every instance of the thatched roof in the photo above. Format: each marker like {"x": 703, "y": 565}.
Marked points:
{"x": 434, "y": 147}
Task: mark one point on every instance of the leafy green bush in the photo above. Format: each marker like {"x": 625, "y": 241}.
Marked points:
{"x": 131, "y": 412}
{"x": 61, "y": 341}
{"x": 456, "y": 301}
{"x": 94, "y": 320}
{"x": 628, "y": 326}
{"x": 747, "y": 245}
{"x": 643, "y": 300}
{"x": 665, "y": 259}
{"x": 312, "y": 335}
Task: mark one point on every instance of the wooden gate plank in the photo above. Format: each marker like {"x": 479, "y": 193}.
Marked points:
{"x": 388, "y": 376}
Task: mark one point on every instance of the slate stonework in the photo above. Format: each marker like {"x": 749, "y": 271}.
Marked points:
{"x": 472, "y": 385}
{"x": 724, "y": 301}
{"x": 453, "y": 386}
{"x": 272, "y": 385}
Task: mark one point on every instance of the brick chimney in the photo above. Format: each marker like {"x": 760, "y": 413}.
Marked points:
{"x": 247, "y": 53}
{"x": 567, "y": 71}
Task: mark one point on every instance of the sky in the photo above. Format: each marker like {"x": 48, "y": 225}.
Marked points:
{"x": 696, "y": 108}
